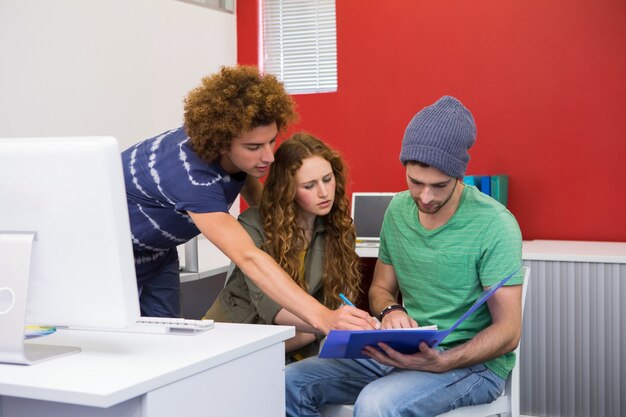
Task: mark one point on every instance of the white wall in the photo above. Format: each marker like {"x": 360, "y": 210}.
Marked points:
{"x": 115, "y": 67}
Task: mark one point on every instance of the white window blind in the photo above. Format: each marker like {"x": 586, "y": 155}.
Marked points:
{"x": 299, "y": 41}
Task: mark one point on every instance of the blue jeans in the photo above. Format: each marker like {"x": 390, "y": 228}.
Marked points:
{"x": 159, "y": 288}
{"x": 380, "y": 390}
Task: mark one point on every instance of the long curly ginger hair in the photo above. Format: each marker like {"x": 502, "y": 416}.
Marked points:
{"x": 285, "y": 239}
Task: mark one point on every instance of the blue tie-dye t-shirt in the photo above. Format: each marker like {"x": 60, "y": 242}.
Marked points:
{"x": 164, "y": 179}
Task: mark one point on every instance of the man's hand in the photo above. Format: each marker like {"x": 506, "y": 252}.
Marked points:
{"x": 427, "y": 359}
{"x": 348, "y": 318}
{"x": 397, "y": 319}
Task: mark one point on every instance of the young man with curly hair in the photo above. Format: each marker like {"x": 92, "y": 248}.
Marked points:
{"x": 304, "y": 223}
{"x": 182, "y": 182}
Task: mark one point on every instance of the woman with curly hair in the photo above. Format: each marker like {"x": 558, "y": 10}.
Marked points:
{"x": 182, "y": 182}
{"x": 303, "y": 223}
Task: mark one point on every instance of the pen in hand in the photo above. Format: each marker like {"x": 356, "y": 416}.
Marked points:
{"x": 345, "y": 300}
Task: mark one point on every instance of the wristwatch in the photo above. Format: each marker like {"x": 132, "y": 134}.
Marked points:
{"x": 389, "y": 309}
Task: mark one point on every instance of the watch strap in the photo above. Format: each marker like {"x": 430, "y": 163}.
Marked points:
{"x": 389, "y": 309}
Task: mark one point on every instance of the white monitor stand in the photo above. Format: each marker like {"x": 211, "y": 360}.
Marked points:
{"x": 15, "y": 256}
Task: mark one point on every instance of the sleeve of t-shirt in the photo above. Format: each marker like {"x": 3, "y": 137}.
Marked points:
{"x": 501, "y": 251}
{"x": 209, "y": 200}
{"x": 383, "y": 249}
{"x": 204, "y": 190}
{"x": 189, "y": 183}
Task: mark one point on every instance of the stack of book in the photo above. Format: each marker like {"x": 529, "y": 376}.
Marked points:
{"x": 497, "y": 186}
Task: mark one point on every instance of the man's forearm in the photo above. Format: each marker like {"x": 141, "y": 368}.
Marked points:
{"x": 493, "y": 341}
{"x": 274, "y": 282}
{"x": 380, "y": 298}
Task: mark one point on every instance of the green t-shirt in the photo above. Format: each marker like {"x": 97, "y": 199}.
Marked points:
{"x": 442, "y": 272}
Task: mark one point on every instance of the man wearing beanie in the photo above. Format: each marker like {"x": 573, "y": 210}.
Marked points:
{"x": 442, "y": 243}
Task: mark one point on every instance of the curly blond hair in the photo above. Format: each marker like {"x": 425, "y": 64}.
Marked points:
{"x": 285, "y": 239}
{"x": 232, "y": 102}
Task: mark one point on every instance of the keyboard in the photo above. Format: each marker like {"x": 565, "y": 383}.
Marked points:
{"x": 169, "y": 325}
{"x": 159, "y": 325}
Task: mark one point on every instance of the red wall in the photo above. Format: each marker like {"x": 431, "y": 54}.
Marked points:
{"x": 545, "y": 80}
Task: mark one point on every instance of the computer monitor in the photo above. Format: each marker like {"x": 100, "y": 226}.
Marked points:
{"x": 368, "y": 211}
{"x": 65, "y": 244}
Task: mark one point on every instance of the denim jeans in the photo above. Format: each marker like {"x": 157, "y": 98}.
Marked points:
{"x": 159, "y": 289}
{"x": 379, "y": 390}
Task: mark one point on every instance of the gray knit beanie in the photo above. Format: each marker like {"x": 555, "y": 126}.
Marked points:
{"x": 440, "y": 135}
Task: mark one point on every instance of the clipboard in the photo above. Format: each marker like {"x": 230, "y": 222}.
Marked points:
{"x": 348, "y": 344}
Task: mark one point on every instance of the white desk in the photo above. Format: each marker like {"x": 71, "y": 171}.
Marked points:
{"x": 574, "y": 251}
{"x": 367, "y": 251}
{"x": 232, "y": 370}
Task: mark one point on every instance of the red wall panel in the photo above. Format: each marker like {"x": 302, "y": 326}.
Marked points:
{"x": 546, "y": 82}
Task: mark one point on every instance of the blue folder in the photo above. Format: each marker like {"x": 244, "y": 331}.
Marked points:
{"x": 349, "y": 343}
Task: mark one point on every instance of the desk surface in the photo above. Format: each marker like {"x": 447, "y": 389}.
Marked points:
{"x": 574, "y": 251}
{"x": 114, "y": 367}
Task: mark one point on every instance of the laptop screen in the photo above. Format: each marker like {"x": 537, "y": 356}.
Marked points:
{"x": 368, "y": 211}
